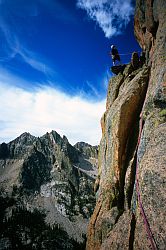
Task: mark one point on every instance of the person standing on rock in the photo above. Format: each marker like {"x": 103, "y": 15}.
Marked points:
{"x": 115, "y": 55}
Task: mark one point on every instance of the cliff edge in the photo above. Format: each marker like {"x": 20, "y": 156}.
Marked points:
{"x": 130, "y": 188}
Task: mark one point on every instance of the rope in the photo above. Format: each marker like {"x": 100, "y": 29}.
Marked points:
{"x": 146, "y": 223}
{"x": 126, "y": 54}
{"x": 130, "y": 53}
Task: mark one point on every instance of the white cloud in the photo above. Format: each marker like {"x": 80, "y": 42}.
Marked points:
{"x": 110, "y": 15}
{"x": 48, "y": 109}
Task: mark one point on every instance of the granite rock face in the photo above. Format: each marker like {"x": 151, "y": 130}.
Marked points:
{"x": 152, "y": 146}
{"x": 50, "y": 175}
{"x": 137, "y": 92}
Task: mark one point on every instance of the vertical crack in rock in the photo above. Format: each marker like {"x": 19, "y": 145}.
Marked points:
{"x": 132, "y": 232}
{"x": 128, "y": 137}
{"x": 130, "y": 163}
{"x": 129, "y": 191}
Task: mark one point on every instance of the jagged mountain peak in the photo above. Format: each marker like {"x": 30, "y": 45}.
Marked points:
{"x": 87, "y": 149}
{"x": 52, "y": 135}
{"x": 26, "y": 136}
{"x": 82, "y": 144}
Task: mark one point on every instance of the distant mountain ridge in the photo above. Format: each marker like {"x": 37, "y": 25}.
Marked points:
{"x": 48, "y": 173}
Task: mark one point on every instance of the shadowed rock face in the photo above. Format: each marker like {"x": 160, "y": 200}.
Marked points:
{"x": 50, "y": 174}
{"x": 112, "y": 225}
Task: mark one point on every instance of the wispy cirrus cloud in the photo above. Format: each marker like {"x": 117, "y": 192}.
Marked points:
{"x": 14, "y": 45}
{"x": 14, "y": 48}
{"x": 35, "y": 61}
{"x": 110, "y": 15}
{"x": 47, "y": 109}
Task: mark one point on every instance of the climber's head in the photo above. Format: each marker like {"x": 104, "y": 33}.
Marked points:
{"x": 112, "y": 46}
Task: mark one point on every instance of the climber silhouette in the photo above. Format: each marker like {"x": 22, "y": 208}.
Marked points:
{"x": 115, "y": 55}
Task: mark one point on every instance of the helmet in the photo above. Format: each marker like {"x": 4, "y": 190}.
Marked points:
{"x": 112, "y": 46}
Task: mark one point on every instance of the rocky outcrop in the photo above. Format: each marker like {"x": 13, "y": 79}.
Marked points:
{"x": 50, "y": 174}
{"x": 137, "y": 92}
{"x": 87, "y": 150}
{"x": 117, "y": 148}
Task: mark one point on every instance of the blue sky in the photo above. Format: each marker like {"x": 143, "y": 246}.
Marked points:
{"x": 54, "y": 64}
